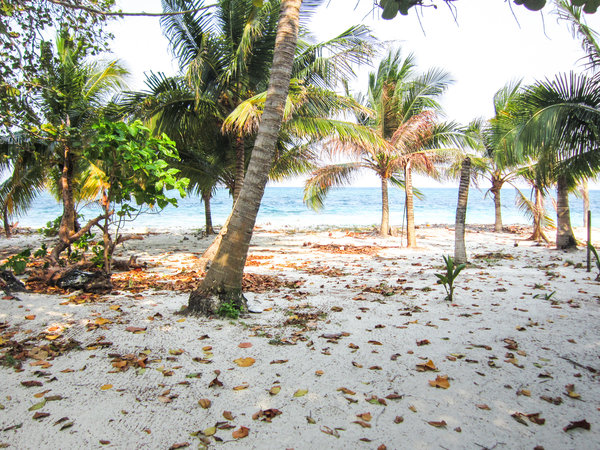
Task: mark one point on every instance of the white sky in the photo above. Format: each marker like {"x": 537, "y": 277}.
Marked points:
{"x": 486, "y": 49}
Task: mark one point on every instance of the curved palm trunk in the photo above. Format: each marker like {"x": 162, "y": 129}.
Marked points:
{"x": 460, "y": 251}
{"x": 67, "y": 223}
{"x": 585, "y": 194}
{"x": 240, "y": 167}
{"x": 6, "y": 221}
{"x": 564, "y": 233}
{"x": 411, "y": 239}
{"x": 384, "y": 229}
{"x": 223, "y": 281}
{"x": 206, "y": 196}
{"x": 538, "y": 217}
{"x": 496, "y": 190}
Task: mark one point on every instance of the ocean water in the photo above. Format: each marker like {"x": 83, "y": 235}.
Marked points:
{"x": 282, "y": 207}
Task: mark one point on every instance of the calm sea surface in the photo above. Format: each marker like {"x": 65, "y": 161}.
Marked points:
{"x": 283, "y": 207}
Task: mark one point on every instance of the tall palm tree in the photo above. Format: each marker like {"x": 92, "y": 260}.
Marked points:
{"x": 397, "y": 134}
{"x": 75, "y": 90}
{"x": 223, "y": 281}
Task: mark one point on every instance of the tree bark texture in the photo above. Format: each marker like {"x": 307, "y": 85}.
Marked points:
{"x": 67, "y": 223}
{"x": 538, "y": 217}
{"x": 240, "y": 167}
{"x": 384, "y": 229}
{"x": 223, "y": 281}
{"x": 564, "y": 233}
{"x": 460, "y": 251}
{"x": 585, "y": 195}
{"x": 206, "y": 196}
{"x": 496, "y": 191}
{"x": 411, "y": 239}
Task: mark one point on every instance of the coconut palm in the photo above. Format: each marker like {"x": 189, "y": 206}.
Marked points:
{"x": 399, "y": 134}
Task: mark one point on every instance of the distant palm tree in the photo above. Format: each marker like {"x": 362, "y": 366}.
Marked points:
{"x": 399, "y": 133}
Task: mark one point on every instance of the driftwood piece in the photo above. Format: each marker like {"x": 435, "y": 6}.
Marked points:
{"x": 9, "y": 283}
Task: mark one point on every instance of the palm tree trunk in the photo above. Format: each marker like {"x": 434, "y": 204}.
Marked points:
{"x": 538, "y": 216}
{"x": 240, "y": 166}
{"x": 223, "y": 281}
{"x": 6, "y": 221}
{"x": 460, "y": 251}
{"x": 496, "y": 190}
{"x": 564, "y": 233}
{"x": 384, "y": 229}
{"x": 585, "y": 194}
{"x": 411, "y": 239}
{"x": 67, "y": 223}
{"x": 206, "y": 196}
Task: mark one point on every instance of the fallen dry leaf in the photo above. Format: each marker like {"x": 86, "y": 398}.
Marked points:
{"x": 240, "y": 433}
{"x": 441, "y": 381}
{"x": 244, "y": 362}
{"x": 429, "y": 365}
{"x": 300, "y": 392}
{"x": 437, "y": 424}
{"x": 362, "y": 423}
{"x": 205, "y": 403}
{"x": 245, "y": 345}
{"x": 106, "y": 387}
{"x": 577, "y": 424}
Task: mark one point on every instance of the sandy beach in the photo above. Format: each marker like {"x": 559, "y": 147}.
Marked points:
{"x": 356, "y": 347}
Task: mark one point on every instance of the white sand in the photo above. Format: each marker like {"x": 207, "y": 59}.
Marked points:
{"x": 557, "y": 339}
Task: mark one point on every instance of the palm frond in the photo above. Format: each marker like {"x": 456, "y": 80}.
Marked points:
{"x": 324, "y": 178}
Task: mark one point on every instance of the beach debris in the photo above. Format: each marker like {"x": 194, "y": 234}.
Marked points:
{"x": 441, "y": 381}
{"x": 9, "y": 283}
{"x": 438, "y": 423}
{"x": 300, "y": 392}
{"x": 266, "y": 415}
{"x": 577, "y": 424}
{"x": 76, "y": 279}
{"x": 240, "y": 433}
{"x": 204, "y": 403}
{"x": 429, "y": 365}
{"x": 244, "y": 362}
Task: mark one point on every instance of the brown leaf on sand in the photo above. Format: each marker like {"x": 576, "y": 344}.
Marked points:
{"x": 398, "y": 419}
{"x": 423, "y": 342}
{"x": 484, "y": 407}
{"x": 244, "y": 362}
{"x": 365, "y": 416}
{"x": 429, "y": 365}
{"x": 437, "y": 424}
{"x": 346, "y": 391}
{"x": 362, "y": 423}
{"x": 40, "y": 415}
{"x": 245, "y": 345}
{"x": 577, "y": 424}
{"x": 179, "y": 445}
{"x": 266, "y": 415}
{"x": 205, "y": 403}
{"x": 135, "y": 329}
{"x": 240, "y": 433}
{"x": 227, "y": 415}
{"x": 441, "y": 381}
{"x": 32, "y": 383}
{"x": 571, "y": 391}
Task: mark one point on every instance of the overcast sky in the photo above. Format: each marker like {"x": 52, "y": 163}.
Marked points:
{"x": 488, "y": 46}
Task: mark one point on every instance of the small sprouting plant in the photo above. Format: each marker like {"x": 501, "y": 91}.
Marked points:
{"x": 595, "y": 252}
{"x": 447, "y": 278}
{"x": 229, "y": 309}
{"x": 545, "y": 296}
{"x": 17, "y": 263}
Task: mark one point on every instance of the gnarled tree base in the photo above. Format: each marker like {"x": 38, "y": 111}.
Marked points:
{"x": 209, "y": 303}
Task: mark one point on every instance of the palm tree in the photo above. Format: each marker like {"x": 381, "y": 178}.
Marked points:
{"x": 460, "y": 251}
{"x": 74, "y": 94}
{"x": 223, "y": 281}
{"x": 397, "y": 135}
{"x": 497, "y": 170}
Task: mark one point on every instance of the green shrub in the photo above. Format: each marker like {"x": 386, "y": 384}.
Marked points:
{"x": 17, "y": 263}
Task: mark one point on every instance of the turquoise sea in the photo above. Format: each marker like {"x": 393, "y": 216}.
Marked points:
{"x": 282, "y": 207}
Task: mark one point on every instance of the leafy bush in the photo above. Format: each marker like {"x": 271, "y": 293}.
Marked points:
{"x": 229, "y": 309}
{"x": 17, "y": 263}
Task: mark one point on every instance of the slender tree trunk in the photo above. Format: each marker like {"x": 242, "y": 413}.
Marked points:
{"x": 411, "y": 239}
{"x": 240, "y": 167}
{"x": 496, "y": 190}
{"x": 564, "y": 233}
{"x": 223, "y": 281}
{"x": 460, "y": 251}
{"x": 538, "y": 217}
{"x": 206, "y": 196}
{"x": 67, "y": 223}
{"x": 384, "y": 229}
{"x": 6, "y": 221}
{"x": 585, "y": 194}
